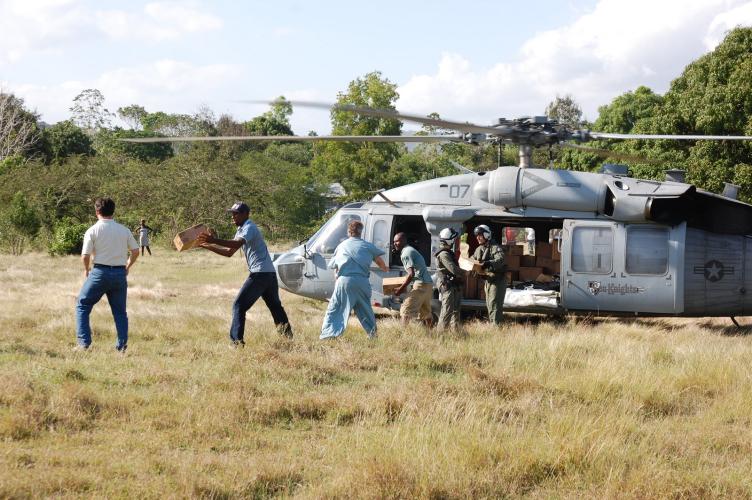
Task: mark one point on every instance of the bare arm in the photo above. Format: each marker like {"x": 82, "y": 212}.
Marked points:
{"x": 380, "y": 262}
{"x": 86, "y": 259}
{"x": 408, "y": 279}
{"x": 131, "y": 260}
{"x": 211, "y": 242}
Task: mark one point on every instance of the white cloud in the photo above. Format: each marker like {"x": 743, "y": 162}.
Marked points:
{"x": 167, "y": 85}
{"x": 740, "y": 16}
{"x": 40, "y": 25}
{"x": 29, "y": 26}
{"x": 157, "y": 22}
{"x": 615, "y": 48}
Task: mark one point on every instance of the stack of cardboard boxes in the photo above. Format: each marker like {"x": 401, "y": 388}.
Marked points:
{"x": 539, "y": 267}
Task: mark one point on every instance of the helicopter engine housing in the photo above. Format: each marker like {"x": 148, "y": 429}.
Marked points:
{"x": 618, "y": 197}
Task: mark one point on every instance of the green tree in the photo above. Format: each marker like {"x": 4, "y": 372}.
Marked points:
{"x": 109, "y": 145}
{"x": 276, "y": 121}
{"x": 19, "y": 131}
{"x": 21, "y": 224}
{"x": 133, "y": 115}
{"x": 63, "y": 140}
{"x": 361, "y": 167}
{"x": 712, "y": 96}
{"x": 566, "y": 111}
{"x": 89, "y": 111}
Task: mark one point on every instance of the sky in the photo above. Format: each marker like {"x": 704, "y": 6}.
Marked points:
{"x": 468, "y": 61}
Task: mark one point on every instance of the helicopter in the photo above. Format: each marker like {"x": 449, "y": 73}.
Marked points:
{"x": 618, "y": 245}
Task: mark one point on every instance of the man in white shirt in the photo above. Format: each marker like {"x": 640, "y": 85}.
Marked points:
{"x": 114, "y": 251}
{"x": 530, "y": 239}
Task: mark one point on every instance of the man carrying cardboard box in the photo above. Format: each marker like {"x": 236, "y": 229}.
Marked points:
{"x": 491, "y": 256}
{"x": 418, "y": 301}
{"x": 262, "y": 280}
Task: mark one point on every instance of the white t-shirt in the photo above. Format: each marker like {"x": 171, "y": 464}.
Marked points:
{"x": 109, "y": 242}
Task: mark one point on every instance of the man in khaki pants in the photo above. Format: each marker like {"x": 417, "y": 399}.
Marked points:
{"x": 417, "y": 305}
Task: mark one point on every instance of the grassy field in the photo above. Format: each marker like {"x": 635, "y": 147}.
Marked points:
{"x": 584, "y": 407}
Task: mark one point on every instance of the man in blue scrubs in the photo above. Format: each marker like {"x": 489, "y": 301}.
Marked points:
{"x": 262, "y": 280}
{"x": 352, "y": 261}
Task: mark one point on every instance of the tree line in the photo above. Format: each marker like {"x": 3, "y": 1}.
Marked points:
{"x": 49, "y": 174}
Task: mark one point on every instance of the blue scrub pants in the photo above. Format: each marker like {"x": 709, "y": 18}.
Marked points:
{"x": 103, "y": 280}
{"x": 350, "y": 292}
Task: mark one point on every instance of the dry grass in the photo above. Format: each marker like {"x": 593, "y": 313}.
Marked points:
{"x": 594, "y": 408}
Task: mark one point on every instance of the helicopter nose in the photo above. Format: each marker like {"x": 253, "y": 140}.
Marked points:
{"x": 290, "y": 271}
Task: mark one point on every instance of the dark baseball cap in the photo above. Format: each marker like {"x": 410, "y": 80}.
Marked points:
{"x": 239, "y": 207}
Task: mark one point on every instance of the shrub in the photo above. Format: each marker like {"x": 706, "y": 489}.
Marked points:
{"x": 68, "y": 237}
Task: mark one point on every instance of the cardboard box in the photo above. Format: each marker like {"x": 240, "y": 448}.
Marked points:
{"x": 555, "y": 267}
{"x": 544, "y": 278}
{"x": 470, "y": 265}
{"x": 543, "y": 262}
{"x": 527, "y": 261}
{"x": 529, "y": 273}
{"x": 555, "y": 253}
{"x": 185, "y": 240}
{"x": 543, "y": 250}
{"x": 389, "y": 285}
{"x": 512, "y": 262}
{"x": 514, "y": 250}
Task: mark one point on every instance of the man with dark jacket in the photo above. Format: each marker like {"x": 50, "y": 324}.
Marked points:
{"x": 450, "y": 281}
{"x": 491, "y": 257}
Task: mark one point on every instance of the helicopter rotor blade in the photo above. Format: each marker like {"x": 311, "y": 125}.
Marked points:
{"x": 396, "y": 115}
{"x": 607, "y": 153}
{"x": 606, "y": 135}
{"x": 300, "y": 138}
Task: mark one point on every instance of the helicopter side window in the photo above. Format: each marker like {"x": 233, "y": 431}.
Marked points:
{"x": 592, "y": 250}
{"x": 332, "y": 234}
{"x": 647, "y": 250}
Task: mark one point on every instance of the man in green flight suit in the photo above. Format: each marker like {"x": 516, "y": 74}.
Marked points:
{"x": 450, "y": 281}
{"x": 491, "y": 257}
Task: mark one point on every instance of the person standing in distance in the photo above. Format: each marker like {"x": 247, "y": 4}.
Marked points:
{"x": 143, "y": 236}
{"x": 418, "y": 301}
{"x": 491, "y": 256}
{"x": 262, "y": 280}
{"x": 530, "y": 239}
{"x": 450, "y": 281}
{"x": 114, "y": 251}
{"x": 352, "y": 290}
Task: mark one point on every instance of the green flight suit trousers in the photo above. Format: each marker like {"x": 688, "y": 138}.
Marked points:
{"x": 450, "y": 309}
{"x": 495, "y": 291}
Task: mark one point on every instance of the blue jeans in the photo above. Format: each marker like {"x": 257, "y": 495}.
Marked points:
{"x": 103, "y": 281}
{"x": 257, "y": 285}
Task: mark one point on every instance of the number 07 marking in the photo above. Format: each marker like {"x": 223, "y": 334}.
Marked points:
{"x": 458, "y": 190}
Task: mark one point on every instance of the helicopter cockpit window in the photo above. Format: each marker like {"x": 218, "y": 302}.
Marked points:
{"x": 592, "y": 250}
{"x": 647, "y": 250}
{"x": 332, "y": 234}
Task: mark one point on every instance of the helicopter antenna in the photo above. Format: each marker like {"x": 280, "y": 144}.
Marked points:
{"x": 380, "y": 192}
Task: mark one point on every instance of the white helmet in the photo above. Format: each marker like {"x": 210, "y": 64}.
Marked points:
{"x": 447, "y": 235}
{"x": 483, "y": 229}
